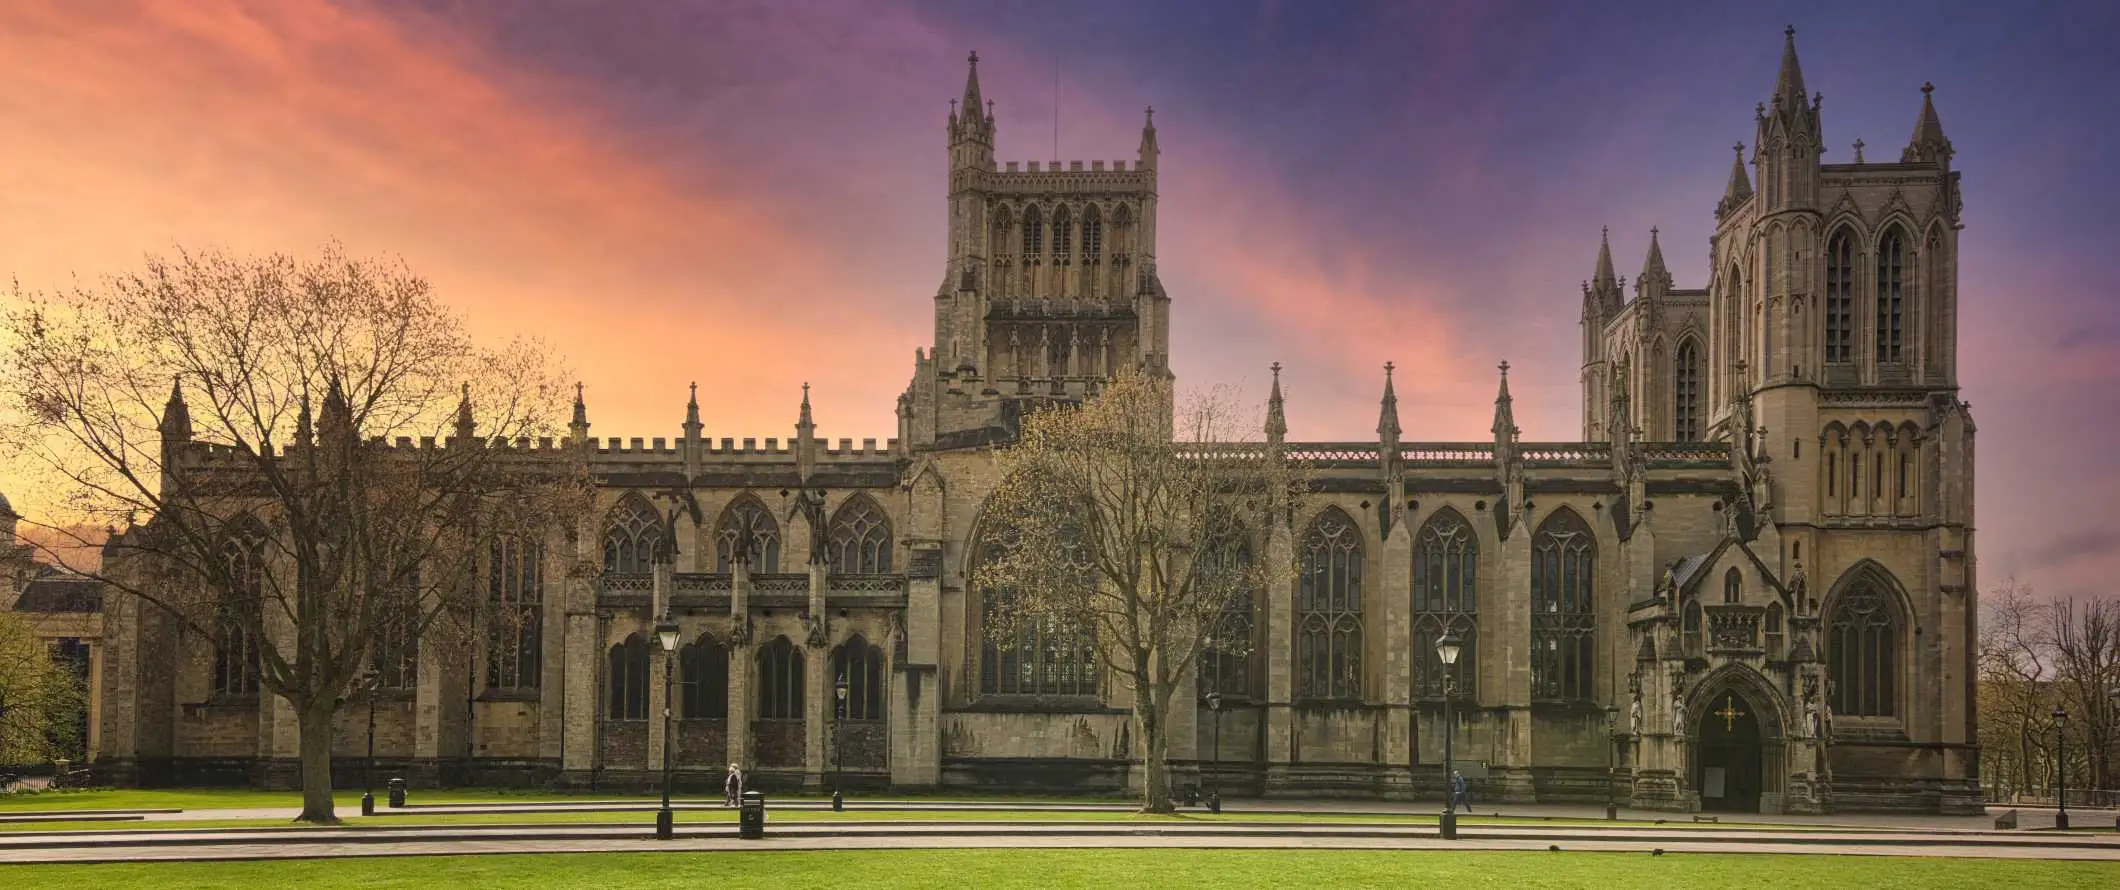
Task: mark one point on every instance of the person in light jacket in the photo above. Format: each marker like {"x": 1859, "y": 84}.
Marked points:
{"x": 732, "y": 787}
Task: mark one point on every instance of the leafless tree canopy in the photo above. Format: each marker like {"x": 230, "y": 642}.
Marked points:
{"x": 1107, "y": 523}
{"x": 301, "y": 454}
{"x": 2037, "y": 654}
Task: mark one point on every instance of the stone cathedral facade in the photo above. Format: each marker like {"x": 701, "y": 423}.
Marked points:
{"x": 1749, "y": 586}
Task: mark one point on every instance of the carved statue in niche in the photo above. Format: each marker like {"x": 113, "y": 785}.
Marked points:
{"x": 1634, "y": 716}
{"x": 1809, "y": 728}
{"x": 810, "y": 503}
{"x": 740, "y": 629}
{"x": 1678, "y": 706}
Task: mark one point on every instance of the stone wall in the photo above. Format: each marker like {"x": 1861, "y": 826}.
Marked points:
{"x": 625, "y": 745}
{"x": 865, "y": 744}
{"x": 702, "y": 743}
{"x": 778, "y": 743}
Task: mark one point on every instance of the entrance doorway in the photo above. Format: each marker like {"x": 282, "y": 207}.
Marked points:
{"x": 1726, "y": 767}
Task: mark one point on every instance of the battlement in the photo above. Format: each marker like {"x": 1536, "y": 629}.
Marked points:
{"x": 1072, "y": 167}
{"x": 731, "y": 449}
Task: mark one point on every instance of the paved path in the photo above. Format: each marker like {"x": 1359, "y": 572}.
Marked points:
{"x": 405, "y": 840}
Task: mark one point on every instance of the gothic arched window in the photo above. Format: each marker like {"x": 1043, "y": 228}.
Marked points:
{"x": 629, "y": 680}
{"x": 860, "y": 539}
{"x": 862, "y": 666}
{"x": 1563, "y": 608}
{"x": 633, "y": 537}
{"x": 1329, "y": 610}
{"x": 1063, "y": 236}
{"x": 395, "y": 652}
{"x": 1446, "y": 560}
{"x": 1685, "y": 414}
{"x": 1225, "y": 665}
{"x": 1033, "y": 235}
{"x": 1047, "y": 656}
{"x": 780, "y": 681}
{"x": 235, "y": 649}
{"x": 515, "y": 584}
{"x": 1891, "y": 294}
{"x": 1775, "y": 633}
{"x": 746, "y": 520}
{"x": 703, "y": 678}
{"x": 1690, "y": 627}
{"x": 1092, "y": 235}
{"x": 1840, "y": 298}
{"x": 1733, "y": 587}
{"x": 1862, "y": 651}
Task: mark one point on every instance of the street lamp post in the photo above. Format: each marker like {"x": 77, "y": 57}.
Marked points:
{"x": 666, "y": 631}
{"x": 369, "y": 683}
{"x": 1446, "y": 650}
{"x": 1214, "y": 785}
{"x": 1611, "y": 760}
{"x": 2060, "y": 768}
{"x": 839, "y": 762}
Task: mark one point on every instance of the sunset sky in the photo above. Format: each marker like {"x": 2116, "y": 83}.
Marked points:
{"x": 749, "y": 193}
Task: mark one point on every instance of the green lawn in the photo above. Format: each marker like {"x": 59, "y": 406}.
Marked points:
{"x": 1086, "y": 868}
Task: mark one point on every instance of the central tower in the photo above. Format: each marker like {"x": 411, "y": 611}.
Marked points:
{"x": 1050, "y": 286}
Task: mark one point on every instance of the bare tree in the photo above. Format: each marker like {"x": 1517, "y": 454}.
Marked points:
{"x": 176, "y": 403}
{"x": 2014, "y": 692}
{"x": 2086, "y": 645}
{"x": 1107, "y": 524}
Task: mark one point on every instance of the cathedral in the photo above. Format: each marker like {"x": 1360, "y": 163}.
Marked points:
{"x": 1749, "y": 586}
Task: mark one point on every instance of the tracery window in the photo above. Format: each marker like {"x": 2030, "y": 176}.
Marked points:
{"x": 780, "y": 681}
{"x": 633, "y": 538}
{"x": 1048, "y": 656}
{"x": 862, "y": 666}
{"x": 1840, "y": 298}
{"x": 747, "y": 520}
{"x": 1862, "y": 654}
{"x": 860, "y": 538}
{"x": 703, "y": 675}
{"x": 1093, "y": 235}
{"x": 1446, "y": 560}
{"x": 1686, "y": 425}
{"x": 515, "y": 584}
{"x": 1033, "y": 236}
{"x": 1225, "y": 665}
{"x": 1329, "y": 610}
{"x": 628, "y": 680}
{"x": 1563, "y": 608}
{"x": 395, "y": 651}
{"x": 1063, "y": 236}
{"x": 1891, "y": 293}
{"x": 235, "y": 651}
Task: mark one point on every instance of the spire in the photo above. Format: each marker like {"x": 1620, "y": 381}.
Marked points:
{"x": 1788, "y": 84}
{"x": 1740, "y": 188}
{"x": 1604, "y": 278}
{"x": 578, "y": 428}
{"x": 1276, "y": 413}
{"x": 304, "y": 426}
{"x": 1149, "y": 151}
{"x": 803, "y": 423}
{"x": 1928, "y": 145}
{"x": 176, "y": 416}
{"x": 464, "y": 425}
{"x": 805, "y": 439}
{"x": 1505, "y": 429}
{"x": 335, "y": 419}
{"x": 972, "y": 99}
{"x": 1388, "y": 415}
{"x": 1654, "y": 274}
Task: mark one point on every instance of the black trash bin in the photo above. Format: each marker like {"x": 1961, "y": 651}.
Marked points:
{"x": 751, "y": 817}
{"x": 397, "y": 794}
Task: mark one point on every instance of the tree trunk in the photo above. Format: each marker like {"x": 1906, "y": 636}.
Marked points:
{"x": 316, "y": 765}
{"x": 1155, "y": 750}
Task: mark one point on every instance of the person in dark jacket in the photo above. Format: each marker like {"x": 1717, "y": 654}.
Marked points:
{"x": 1458, "y": 794}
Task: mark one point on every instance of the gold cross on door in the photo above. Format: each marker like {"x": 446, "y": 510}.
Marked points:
{"x": 1729, "y": 713}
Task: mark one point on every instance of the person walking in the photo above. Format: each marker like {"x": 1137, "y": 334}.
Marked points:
{"x": 1458, "y": 795}
{"x": 732, "y": 787}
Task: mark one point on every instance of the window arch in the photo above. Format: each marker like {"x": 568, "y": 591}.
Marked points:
{"x": 703, "y": 677}
{"x": 1685, "y": 413}
{"x": 1563, "y": 609}
{"x": 1840, "y": 297}
{"x": 1733, "y": 586}
{"x": 1862, "y": 648}
{"x": 633, "y": 537}
{"x": 395, "y": 651}
{"x": 1226, "y": 669}
{"x": 862, "y": 666}
{"x": 235, "y": 650}
{"x": 1033, "y": 235}
{"x": 1092, "y": 235}
{"x": 1063, "y": 236}
{"x": 629, "y": 680}
{"x": 1690, "y": 628}
{"x": 1775, "y": 632}
{"x": 515, "y": 585}
{"x": 1329, "y": 610}
{"x": 746, "y": 520}
{"x": 780, "y": 681}
{"x": 1891, "y": 295}
{"x": 859, "y": 538}
{"x": 1446, "y": 560}
{"x": 1048, "y": 656}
